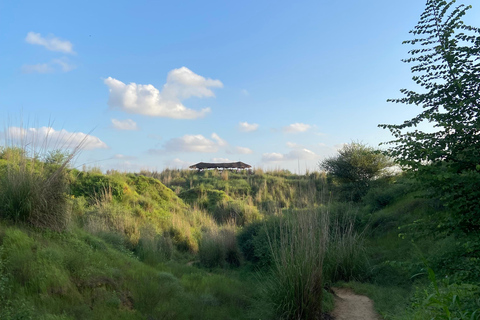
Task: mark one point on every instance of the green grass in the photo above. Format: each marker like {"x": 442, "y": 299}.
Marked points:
{"x": 76, "y": 275}
{"x": 264, "y": 246}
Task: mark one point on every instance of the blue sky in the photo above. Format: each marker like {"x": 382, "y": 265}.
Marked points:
{"x": 156, "y": 84}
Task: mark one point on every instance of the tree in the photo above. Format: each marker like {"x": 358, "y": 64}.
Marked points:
{"x": 355, "y": 166}
{"x": 446, "y": 58}
{"x": 57, "y": 157}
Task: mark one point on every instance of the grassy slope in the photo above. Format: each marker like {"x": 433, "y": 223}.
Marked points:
{"x": 75, "y": 275}
{"x": 123, "y": 256}
{"x": 126, "y": 252}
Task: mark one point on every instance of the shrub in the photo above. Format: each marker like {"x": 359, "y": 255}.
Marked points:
{"x": 34, "y": 192}
{"x": 383, "y": 194}
{"x": 237, "y": 211}
{"x": 91, "y": 185}
{"x": 253, "y": 241}
{"x": 219, "y": 248}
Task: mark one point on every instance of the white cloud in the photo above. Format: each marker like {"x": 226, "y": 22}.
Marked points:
{"x": 49, "y": 137}
{"x": 296, "y": 127}
{"x": 64, "y": 64}
{"x": 222, "y": 160}
{"x": 182, "y": 83}
{"x": 128, "y": 124}
{"x": 147, "y": 100}
{"x": 53, "y": 66}
{"x": 272, "y": 157}
{"x": 178, "y": 163}
{"x": 245, "y": 92}
{"x": 124, "y": 157}
{"x": 219, "y": 140}
{"x": 240, "y": 150}
{"x": 37, "y": 68}
{"x": 247, "y": 127}
{"x": 296, "y": 154}
{"x": 50, "y": 42}
{"x": 191, "y": 143}
{"x": 300, "y": 154}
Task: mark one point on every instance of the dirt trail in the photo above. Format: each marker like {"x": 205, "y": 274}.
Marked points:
{"x": 350, "y": 306}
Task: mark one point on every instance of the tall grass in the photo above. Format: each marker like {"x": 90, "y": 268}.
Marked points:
{"x": 295, "y": 287}
{"x": 310, "y": 250}
{"x": 219, "y": 248}
{"x": 346, "y": 256}
{"x": 33, "y": 182}
{"x": 34, "y": 191}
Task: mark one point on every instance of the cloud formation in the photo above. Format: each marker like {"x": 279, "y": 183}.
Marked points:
{"x": 50, "y": 42}
{"x": 37, "y": 68}
{"x": 296, "y": 127}
{"x": 221, "y": 160}
{"x": 177, "y": 163}
{"x": 147, "y": 100}
{"x": 55, "y": 65}
{"x": 65, "y": 66}
{"x": 191, "y": 143}
{"x": 219, "y": 140}
{"x": 247, "y": 127}
{"x": 49, "y": 137}
{"x": 128, "y": 124}
{"x": 272, "y": 157}
{"x": 240, "y": 150}
{"x": 296, "y": 154}
{"x": 124, "y": 157}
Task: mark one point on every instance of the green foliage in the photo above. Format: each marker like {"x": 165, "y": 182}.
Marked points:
{"x": 92, "y": 185}
{"x": 345, "y": 256}
{"x": 253, "y": 241}
{"x": 446, "y": 67}
{"x": 355, "y": 166}
{"x": 74, "y": 275}
{"x": 57, "y": 157}
{"x": 236, "y": 211}
{"x": 307, "y": 250}
{"x": 442, "y": 300}
{"x": 33, "y": 192}
{"x": 219, "y": 248}
{"x": 205, "y": 198}
{"x": 154, "y": 248}
{"x": 295, "y": 285}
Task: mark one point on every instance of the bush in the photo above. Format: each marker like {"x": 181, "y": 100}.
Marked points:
{"x": 91, "y": 185}
{"x": 236, "y": 211}
{"x": 380, "y": 196}
{"x": 34, "y": 192}
{"x": 219, "y": 248}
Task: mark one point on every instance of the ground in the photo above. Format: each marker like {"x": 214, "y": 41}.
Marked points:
{"x": 350, "y": 306}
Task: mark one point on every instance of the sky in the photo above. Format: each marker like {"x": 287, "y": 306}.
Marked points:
{"x": 166, "y": 84}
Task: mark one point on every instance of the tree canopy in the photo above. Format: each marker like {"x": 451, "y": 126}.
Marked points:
{"x": 446, "y": 65}
{"x": 356, "y": 165}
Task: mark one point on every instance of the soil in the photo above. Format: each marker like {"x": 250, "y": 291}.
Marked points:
{"x": 351, "y": 306}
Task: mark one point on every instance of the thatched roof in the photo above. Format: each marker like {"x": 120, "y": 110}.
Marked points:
{"x": 229, "y": 165}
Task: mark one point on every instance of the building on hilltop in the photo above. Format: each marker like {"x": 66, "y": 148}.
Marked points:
{"x": 228, "y": 165}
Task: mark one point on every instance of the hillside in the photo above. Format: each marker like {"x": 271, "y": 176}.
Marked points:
{"x": 222, "y": 245}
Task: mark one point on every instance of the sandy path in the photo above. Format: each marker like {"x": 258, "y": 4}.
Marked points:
{"x": 350, "y": 306}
